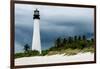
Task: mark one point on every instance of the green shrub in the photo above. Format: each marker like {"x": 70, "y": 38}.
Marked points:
{"x": 71, "y": 51}
{"x": 52, "y": 53}
{"x": 88, "y": 50}
{"x": 27, "y": 54}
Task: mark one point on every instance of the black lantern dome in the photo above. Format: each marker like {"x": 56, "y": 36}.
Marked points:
{"x": 36, "y": 14}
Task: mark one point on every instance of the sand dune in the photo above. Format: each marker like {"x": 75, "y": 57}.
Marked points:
{"x": 58, "y": 58}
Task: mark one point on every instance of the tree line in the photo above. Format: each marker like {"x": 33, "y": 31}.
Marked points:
{"x": 78, "y": 42}
{"x": 60, "y": 44}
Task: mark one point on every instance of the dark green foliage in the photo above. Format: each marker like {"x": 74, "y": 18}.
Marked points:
{"x": 58, "y": 42}
{"x": 26, "y": 48}
{"x": 44, "y": 52}
{"x": 34, "y": 52}
{"x": 79, "y": 37}
{"x": 56, "y": 48}
{"x": 18, "y": 55}
{"x": 92, "y": 39}
{"x": 70, "y": 40}
{"x": 76, "y": 42}
{"x": 75, "y": 38}
{"x": 27, "y": 54}
{"x": 84, "y": 37}
{"x": 64, "y": 41}
{"x": 81, "y": 45}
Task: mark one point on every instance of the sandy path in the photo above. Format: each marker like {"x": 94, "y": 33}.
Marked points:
{"x": 54, "y": 59}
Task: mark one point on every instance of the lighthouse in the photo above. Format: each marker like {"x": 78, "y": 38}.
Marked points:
{"x": 36, "y": 42}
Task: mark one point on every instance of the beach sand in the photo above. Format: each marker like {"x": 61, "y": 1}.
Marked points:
{"x": 58, "y": 58}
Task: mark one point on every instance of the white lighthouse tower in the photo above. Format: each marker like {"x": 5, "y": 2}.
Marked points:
{"x": 36, "y": 42}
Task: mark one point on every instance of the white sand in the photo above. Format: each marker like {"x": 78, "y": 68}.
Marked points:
{"x": 59, "y": 58}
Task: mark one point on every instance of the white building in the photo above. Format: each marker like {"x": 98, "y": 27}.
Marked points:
{"x": 36, "y": 42}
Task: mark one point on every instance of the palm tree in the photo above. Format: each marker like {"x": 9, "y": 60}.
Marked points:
{"x": 70, "y": 40}
{"x": 64, "y": 41}
{"x": 84, "y": 37}
{"x": 79, "y": 37}
{"x": 26, "y": 48}
{"x": 75, "y": 38}
{"x": 58, "y": 42}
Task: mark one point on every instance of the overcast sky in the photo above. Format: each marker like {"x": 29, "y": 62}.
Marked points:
{"x": 55, "y": 21}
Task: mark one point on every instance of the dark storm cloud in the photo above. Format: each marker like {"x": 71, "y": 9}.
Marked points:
{"x": 54, "y": 22}
{"x": 26, "y": 34}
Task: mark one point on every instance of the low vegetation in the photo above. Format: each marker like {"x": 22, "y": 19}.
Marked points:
{"x": 27, "y": 54}
{"x": 67, "y": 46}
